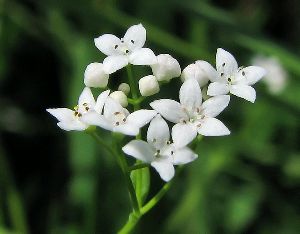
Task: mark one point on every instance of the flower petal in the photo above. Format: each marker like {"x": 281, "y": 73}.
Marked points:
{"x": 100, "y": 101}
{"x": 244, "y": 91}
{"x": 215, "y": 105}
{"x": 111, "y": 107}
{"x": 127, "y": 129}
{"x": 74, "y": 125}
{"x": 62, "y": 114}
{"x": 86, "y": 97}
{"x": 183, "y": 134}
{"x": 113, "y": 63}
{"x": 95, "y": 119}
{"x": 207, "y": 70}
{"x": 190, "y": 94}
{"x": 143, "y": 56}
{"x": 140, "y": 150}
{"x": 169, "y": 109}
{"x": 141, "y": 117}
{"x": 225, "y": 62}
{"x": 212, "y": 127}
{"x": 164, "y": 168}
{"x": 183, "y": 156}
{"x": 217, "y": 88}
{"x": 135, "y": 37}
{"x": 107, "y": 44}
{"x": 250, "y": 75}
{"x": 158, "y": 132}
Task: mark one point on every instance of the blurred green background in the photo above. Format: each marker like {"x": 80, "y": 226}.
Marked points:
{"x": 57, "y": 182}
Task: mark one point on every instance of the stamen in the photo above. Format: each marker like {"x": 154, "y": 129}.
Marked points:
{"x": 117, "y": 123}
{"x": 223, "y": 65}
{"x": 117, "y": 113}
{"x": 116, "y": 46}
{"x": 243, "y": 73}
{"x": 229, "y": 79}
{"x": 85, "y": 104}
{"x": 87, "y": 108}
{"x": 132, "y": 41}
{"x": 124, "y": 120}
{"x": 222, "y": 74}
{"x": 168, "y": 142}
{"x": 126, "y": 51}
{"x": 153, "y": 140}
{"x": 172, "y": 152}
{"x": 79, "y": 115}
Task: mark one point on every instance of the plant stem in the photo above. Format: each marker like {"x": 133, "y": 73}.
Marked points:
{"x": 150, "y": 204}
{"x": 124, "y": 167}
{"x": 138, "y": 166}
{"x": 131, "y": 223}
{"x": 133, "y": 87}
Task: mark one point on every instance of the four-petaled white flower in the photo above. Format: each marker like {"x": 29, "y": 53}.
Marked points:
{"x": 72, "y": 119}
{"x": 229, "y": 78}
{"x": 158, "y": 150}
{"x": 129, "y": 49}
{"x": 191, "y": 115}
{"x": 118, "y": 119}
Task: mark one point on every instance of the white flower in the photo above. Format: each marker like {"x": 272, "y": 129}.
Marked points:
{"x": 200, "y": 70}
{"x": 148, "y": 85}
{"x": 118, "y": 119}
{"x": 158, "y": 150}
{"x": 94, "y": 76}
{"x": 129, "y": 49}
{"x": 125, "y": 88}
{"x": 191, "y": 115}
{"x": 166, "y": 68}
{"x": 120, "y": 97}
{"x": 72, "y": 119}
{"x": 276, "y": 77}
{"x": 229, "y": 78}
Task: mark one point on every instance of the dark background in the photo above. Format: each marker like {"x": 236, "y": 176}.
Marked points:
{"x": 57, "y": 182}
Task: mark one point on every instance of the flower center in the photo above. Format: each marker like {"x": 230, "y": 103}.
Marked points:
{"x": 119, "y": 118}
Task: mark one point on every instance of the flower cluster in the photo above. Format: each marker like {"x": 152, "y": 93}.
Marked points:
{"x": 190, "y": 116}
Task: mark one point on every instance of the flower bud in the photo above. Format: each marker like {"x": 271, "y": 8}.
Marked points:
{"x": 148, "y": 85}
{"x": 94, "y": 76}
{"x": 120, "y": 97}
{"x": 200, "y": 70}
{"x": 166, "y": 68}
{"x": 125, "y": 88}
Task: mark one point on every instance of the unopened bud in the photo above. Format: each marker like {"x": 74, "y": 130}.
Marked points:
{"x": 94, "y": 76}
{"x": 120, "y": 97}
{"x": 125, "y": 88}
{"x": 166, "y": 68}
{"x": 148, "y": 85}
{"x": 200, "y": 70}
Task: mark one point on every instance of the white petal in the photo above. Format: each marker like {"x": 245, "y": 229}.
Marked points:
{"x": 169, "y": 109}
{"x": 212, "y": 127}
{"x": 207, "y": 71}
{"x": 164, "y": 168}
{"x": 94, "y": 76}
{"x": 62, "y": 114}
{"x": 183, "y": 134}
{"x": 225, "y": 62}
{"x": 86, "y": 97}
{"x": 158, "y": 132}
{"x": 114, "y": 63}
{"x": 244, "y": 91}
{"x": 106, "y": 44}
{"x": 111, "y": 107}
{"x": 140, "y": 150}
{"x": 183, "y": 156}
{"x": 190, "y": 94}
{"x": 141, "y": 117}
{"x": 215, "y": 105}
{"x": 166, "y": 68}
{"x": 135, "y": 37}
{"x": 93, "y": 118}
{"x": 127, "y": 129}
{"x": 100, "y": 101}
{"x": 75, "y": 125}
{"x": 143, "y": 56}
{"x": 251, "y": 74}
{"x": 217, "y": 88}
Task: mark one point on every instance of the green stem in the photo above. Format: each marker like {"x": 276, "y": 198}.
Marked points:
{"x": 150, "y": 204}
{"x": 131, "y": 223}
{"x": 138, "y": 166}
{"x": 133, "y": 87}
{"x": 124, "y": 167}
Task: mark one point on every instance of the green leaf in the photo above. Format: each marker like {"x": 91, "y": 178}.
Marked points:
{"x": 141, "y": 182}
